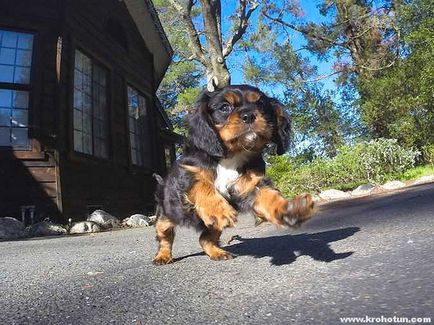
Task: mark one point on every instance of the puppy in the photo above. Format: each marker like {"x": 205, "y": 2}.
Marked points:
{"x": 222, "y": 171}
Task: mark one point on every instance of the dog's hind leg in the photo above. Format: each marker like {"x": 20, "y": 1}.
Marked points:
{"x": 209, "y": 241}
{"x": 165, "y": 236}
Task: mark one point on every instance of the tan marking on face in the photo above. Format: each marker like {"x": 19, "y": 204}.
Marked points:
{"x": 231, "y": 133}
{"x": 232, "y": 98}
{"x": 253, "y": 96}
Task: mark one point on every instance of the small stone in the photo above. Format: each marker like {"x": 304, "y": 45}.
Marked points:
{"x": 11, "y": 228}
{"x": 104, "y": 219}
{"x": 334, "y": 195}
{"x": 84, "y": 227}
{"x": 363, "y": 189}
{"x": 46, "y": 228}
{"x": 138, "y": 220}
{"x": 393, "y": 185}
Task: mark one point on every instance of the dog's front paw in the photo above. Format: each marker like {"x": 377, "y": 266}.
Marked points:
{"x": 162, "y": 259}
{"x": 299, "y": 210}
{"x": 219, "y": 215}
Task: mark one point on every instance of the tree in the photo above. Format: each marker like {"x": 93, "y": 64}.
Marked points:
{"x": 399, "y": 103}
{"x": 356, "y": 30}
{"x": 200, "y": 29}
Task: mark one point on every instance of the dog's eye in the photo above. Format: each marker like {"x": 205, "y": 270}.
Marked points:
{"x": 226, "y": 108}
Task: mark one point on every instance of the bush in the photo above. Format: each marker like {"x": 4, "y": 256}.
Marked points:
{"x": 428, "y": 154}
{"x": 375, "y": 161}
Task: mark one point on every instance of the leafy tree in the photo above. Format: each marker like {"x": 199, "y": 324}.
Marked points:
{"x": 202, "y": 36}
{"x": 399, "y": 103}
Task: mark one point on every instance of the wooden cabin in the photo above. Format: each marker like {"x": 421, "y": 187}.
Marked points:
{"x": 81, "y": 127}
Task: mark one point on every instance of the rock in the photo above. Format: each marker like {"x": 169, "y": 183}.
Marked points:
{"x": 138, "y": 220}
{"x": 84, "y": 227}
{"x": 104, "y": 219}
{"x": 11, "y": 228}
{"x": 334, "y": 195}
{"x": 423, "y": 180}
{"x": 393, "y": 185}
{"x": 46, "y": 228}
{"x": 363, "y": 189}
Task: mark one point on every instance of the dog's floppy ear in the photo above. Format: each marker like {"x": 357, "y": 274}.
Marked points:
{"x": 202, "y": 132}
{"x": 282, "y": 131}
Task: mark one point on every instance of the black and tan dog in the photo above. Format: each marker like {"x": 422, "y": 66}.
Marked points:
{"x": 222, "y": 171}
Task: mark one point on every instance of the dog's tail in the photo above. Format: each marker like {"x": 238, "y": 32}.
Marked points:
{"x": 158, "y": 178}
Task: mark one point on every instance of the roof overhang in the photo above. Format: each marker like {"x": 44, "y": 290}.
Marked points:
{"x": 146, "y": 19}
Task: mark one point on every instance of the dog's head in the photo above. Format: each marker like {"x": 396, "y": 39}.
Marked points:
{"x": 236, "y": 119}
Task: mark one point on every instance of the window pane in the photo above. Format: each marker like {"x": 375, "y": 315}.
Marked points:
{"x": 7, "y": 56}
{"x": 5, "y": 98}
{"x": 9, "y": 39}
{"x": 6, "y": 73}
{"x": 21, "y": 99}
{"x": 78, "y": 141}
{"x": 14, "y": 116}
{"x": 78, "y": 120}
{"x": 19, "y": 137}
{"x": 25, "y": 41}
{"x": 15, "y": 57}
{"x": 5, "y": 117}
{"x": 5, "y": 136}
{"x": 20, "y": 118}
{"x": 22, "y": 75}
{"x": 24, "y": 58}
{"x": 87, "y": 143}
{"x": 87, "y": 123}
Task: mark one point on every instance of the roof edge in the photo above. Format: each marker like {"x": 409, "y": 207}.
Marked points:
{"x": 157, "y": 23}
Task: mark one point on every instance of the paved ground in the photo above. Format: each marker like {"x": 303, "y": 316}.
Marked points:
{"x": 371, "y": 256}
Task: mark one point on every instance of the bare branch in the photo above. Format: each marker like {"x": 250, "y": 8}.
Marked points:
{"x": 193, "y": 35}
{"x": 304, "y": 31}
{"x": 244, "y": 16}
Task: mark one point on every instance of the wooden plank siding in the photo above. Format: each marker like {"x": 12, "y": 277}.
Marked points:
{"x": 62, "y": 183}
{"x": 28, "y": 178}
{"x": 112, "y": 184}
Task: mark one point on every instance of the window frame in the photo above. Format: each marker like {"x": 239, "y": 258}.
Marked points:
{"x": 33, "y": 151}
{"x": 147, "y": 165}
{"x": 78, "y": 155}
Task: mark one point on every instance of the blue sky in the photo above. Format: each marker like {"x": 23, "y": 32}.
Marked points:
{"x": 310, "y": 13}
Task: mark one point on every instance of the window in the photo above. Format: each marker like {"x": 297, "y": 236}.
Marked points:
{"x": 16, "y": 50}
{"x": 138, "y": 128}
{"x": 90, "y": 107}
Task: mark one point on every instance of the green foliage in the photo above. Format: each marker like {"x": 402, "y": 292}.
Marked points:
{"x": 417, "y": 172}
{"x": 399, "y": 103}
{"x": 428, "y": 154}
{"x": 375, "y": 161}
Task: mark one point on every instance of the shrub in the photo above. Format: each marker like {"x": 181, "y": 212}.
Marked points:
{"x": 428, "y": 154}
{"x": 374, "y": 161}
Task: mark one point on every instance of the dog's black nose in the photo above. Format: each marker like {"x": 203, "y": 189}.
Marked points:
{"x": 248, "y": 117}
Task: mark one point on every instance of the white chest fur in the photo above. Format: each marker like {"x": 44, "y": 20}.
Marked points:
{"x": 227, "y": 173}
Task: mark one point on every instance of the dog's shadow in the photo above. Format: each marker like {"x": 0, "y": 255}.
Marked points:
{"x": 286, "y": 248}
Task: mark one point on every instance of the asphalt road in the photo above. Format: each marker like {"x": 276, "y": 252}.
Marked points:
{"x": 367, "y": 257}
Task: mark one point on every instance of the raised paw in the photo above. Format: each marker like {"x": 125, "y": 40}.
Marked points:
{"x": 299, "y": 210}
{"x": 162, "y": 259}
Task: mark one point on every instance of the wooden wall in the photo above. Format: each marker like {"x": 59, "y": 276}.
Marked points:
{"x": 30, "y": 177}
{"x": 52, "y": 176}
{"x": 113, "y": 183}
